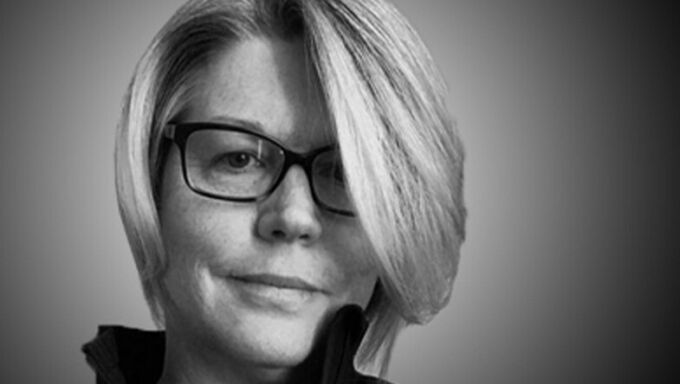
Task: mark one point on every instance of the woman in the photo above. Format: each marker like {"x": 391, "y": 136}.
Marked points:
{"x": 291, "y": 187}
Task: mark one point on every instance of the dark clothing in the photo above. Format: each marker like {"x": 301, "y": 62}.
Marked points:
{"x": 121, "y": 355}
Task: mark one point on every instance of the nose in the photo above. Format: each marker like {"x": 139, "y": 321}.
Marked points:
{"x": 290, "y": 214}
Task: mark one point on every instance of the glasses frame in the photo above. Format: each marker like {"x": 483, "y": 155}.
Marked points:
{"x": 180, "y": 132}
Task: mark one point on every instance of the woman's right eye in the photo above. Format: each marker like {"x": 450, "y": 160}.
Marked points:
{"x": 237, "y": 162}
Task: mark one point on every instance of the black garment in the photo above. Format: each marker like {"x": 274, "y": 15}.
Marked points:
{"x": 121, "y": 355}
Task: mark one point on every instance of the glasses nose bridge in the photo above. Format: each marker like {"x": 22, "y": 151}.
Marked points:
{"x": 304, "y": 160}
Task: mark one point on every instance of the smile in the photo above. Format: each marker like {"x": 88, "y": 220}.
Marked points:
{"x": 281, "y": 293}
{"x": 276, "y": 281}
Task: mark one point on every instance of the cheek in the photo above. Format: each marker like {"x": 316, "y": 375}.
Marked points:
{"x": 363, "y": 289}
{"x": 363, "y": 286}
{"x": 186, "y": 233}
{"x": 186, "y": 249}
{"x": 195, "y": 233}
{"x": 199, "y": 235}
{"x": 353, "y": 254}
{"x": 194, "y": 228}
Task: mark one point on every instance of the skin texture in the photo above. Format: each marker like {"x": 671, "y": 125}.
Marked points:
{"x": 223, "y": 329}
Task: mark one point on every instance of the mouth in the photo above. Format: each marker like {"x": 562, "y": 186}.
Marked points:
{"x": 277, "y": 281}
{"x": 282, "y": 294}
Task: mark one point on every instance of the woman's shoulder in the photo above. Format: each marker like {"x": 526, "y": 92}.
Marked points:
{"x": 126, "y": 355}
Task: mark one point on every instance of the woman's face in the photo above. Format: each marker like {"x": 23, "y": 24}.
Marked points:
{"x": 227, "y": 260}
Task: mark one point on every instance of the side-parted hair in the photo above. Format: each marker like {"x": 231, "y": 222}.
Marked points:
{"x": 387, "y": 107}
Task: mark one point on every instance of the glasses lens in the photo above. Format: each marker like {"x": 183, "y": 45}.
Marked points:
{"x": 231, "y": 164}
{"x": 329, "y": 181}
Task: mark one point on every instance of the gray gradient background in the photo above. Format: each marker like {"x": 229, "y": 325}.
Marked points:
{"x": 567, "y": 110}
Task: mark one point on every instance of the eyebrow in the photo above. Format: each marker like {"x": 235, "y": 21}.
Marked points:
{"x": 252, "y": 125}
{"x": 257, "y": 127}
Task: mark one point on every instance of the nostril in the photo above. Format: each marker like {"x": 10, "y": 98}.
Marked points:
{"x": 278, "y": 234}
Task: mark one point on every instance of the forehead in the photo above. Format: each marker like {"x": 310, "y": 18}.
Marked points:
{"x": 265, "y": 83}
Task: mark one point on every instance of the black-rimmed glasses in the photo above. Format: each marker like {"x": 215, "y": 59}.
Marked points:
{"x": 234, "y": 164}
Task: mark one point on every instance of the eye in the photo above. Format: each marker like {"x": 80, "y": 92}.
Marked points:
{"x": 237, "y": 162}
{"x": 238, "y": 159}
{"x": 338, "y": 174}
{"x": 331, "y": 170}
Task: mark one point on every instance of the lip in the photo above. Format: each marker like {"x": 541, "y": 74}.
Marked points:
{"x": 277, "y": 281}
{"x": 269, "y": 292}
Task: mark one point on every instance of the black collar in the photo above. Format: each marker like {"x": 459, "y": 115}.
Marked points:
{"x": 121, "y": 355}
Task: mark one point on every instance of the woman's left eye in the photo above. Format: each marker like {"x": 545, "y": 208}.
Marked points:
{"x": 332, "y": 171}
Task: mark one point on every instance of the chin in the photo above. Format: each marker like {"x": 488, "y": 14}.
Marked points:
{"x": 269, "y": 340}
{"x": 249, "y": 327}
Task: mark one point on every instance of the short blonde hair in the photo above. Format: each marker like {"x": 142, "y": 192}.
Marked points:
{"x": 386, "y": 103}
